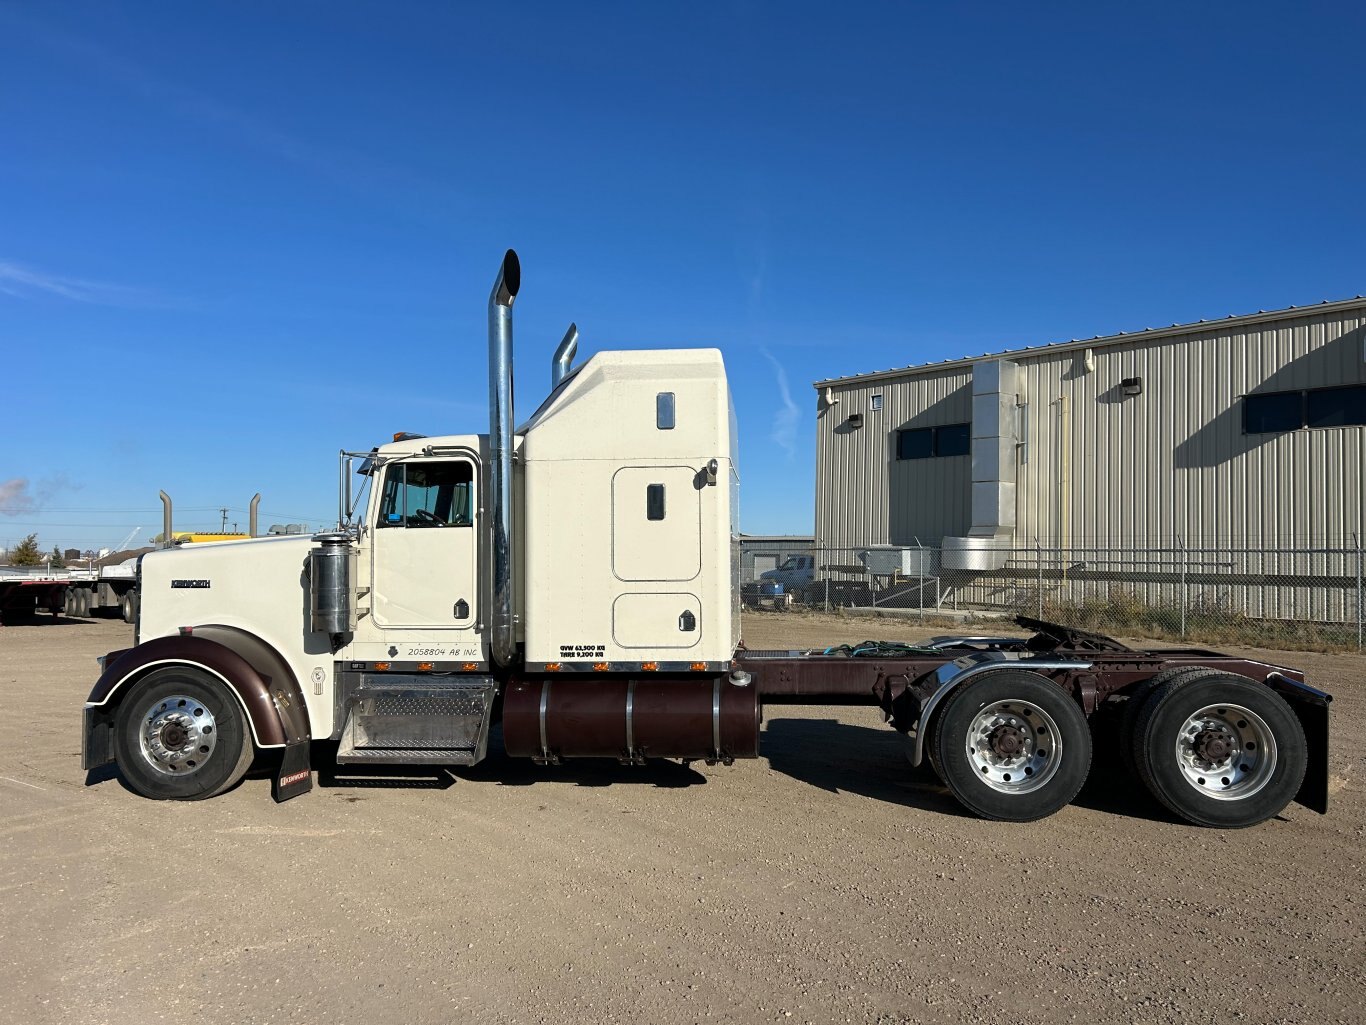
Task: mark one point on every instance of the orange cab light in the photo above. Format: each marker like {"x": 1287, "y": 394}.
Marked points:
{"x": 650, "y": 667}
{"x": 600, "y": 667}
{"x": 382, "y": 667}
{"x": 471, "y": 666}
{"x": 421, "y": 666}
{"x": 699, "y": 667}
{"x": 553, "y": 667}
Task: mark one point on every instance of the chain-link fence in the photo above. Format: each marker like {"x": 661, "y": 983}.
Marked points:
{"x": 1308, "y": 597}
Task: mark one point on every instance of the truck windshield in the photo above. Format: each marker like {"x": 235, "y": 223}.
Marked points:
{"x": 427, "y": 495}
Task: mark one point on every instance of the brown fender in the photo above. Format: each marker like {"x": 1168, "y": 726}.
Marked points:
{"x": 257, "y": 675}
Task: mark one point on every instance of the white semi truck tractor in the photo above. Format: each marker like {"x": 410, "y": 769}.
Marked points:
{"x": 575, "y": 579}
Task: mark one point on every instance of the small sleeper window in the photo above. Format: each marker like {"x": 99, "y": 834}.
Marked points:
{"x": 664, "y": 411}
{"x": 654, "y": 501}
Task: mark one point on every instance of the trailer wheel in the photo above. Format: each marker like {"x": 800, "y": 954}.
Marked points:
{"x": 1138, "y": 698}
{"x": 1012, "y": 746}
{"x": 1220, "y": 750}
{"x": 180, "y": 735}
{"x": 126, "y": 607}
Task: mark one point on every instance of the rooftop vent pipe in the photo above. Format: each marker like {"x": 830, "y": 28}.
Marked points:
{"x": 509, "y": 280}
{"x": 564, "y": 356}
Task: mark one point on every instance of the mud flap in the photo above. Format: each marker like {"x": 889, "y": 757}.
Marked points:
{"x": 295, "y": 776}
{"x": 1311, "y": 708}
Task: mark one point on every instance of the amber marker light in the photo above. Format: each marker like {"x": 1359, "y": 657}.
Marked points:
{"x": 699, "y": 667}
{"x": 553, "y": 667}
{"x": 382, "y": 667}
{"x": 600, "y": 667}
{"x": 422, "y": 666}
{"x": 650, "y": 667}
{"x": 471, "y": 666}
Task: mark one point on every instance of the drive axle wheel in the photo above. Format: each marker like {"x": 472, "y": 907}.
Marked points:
{"x": 1012, "y": 746}
{"x": 180, "y": 735}
{"x": 1220, "y": 750}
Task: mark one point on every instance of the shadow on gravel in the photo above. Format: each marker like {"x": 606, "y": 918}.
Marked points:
{"x": 840, "y": 757}
{"x": 499, "y": 770}
{"x": 42, "y": 619}
{"x": 836, "y": 756}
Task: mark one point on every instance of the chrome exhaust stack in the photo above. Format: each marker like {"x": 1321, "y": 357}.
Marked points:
{"x": 564, "y": 357}
{"x": 503, "y": 627}
{"x": 166, "y": 540}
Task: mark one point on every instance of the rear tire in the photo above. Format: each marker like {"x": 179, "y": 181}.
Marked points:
{"x": 1012, "y": 746}
{"x": 181, "y": 735}
{"x": 1220, "y": 750}
{"x": 1133, "y": 707}
{"x": 127, "y": 608}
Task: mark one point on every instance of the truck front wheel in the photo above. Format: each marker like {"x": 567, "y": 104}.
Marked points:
{"x": 1220, "y": 750}
{"x": 1012, "y": 746}
{"x": 180, "y": 735}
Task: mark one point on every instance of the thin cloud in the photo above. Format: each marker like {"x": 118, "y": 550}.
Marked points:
{"x": 788, "y": 418}
{"x": 23, "y": 282}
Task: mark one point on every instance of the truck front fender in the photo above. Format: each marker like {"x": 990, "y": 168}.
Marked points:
{"x": 261, "y": 681}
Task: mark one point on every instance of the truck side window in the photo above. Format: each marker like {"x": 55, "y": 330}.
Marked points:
{"x": 654, "y": 502}
{"x": 428, "y": 495}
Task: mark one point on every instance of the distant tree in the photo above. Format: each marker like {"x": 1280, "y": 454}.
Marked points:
{"x": 26, "y": 552}
{"x": 56, "y": 560}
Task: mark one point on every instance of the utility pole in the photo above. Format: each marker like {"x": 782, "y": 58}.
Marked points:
{"x": 223, "y": 527}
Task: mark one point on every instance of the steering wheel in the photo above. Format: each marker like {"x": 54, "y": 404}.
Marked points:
{"x": 423, "y": 516}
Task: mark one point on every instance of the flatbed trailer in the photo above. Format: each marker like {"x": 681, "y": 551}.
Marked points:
{"x": 76, "y": 593}
{"x": 25, "y": 595}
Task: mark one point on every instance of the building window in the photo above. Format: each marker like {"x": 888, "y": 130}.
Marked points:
{"x": 875, "y": 403}
{"x": 1275, "y": 412}
{"x": 929, "y": 442}
{"x": 1336, "y": 407}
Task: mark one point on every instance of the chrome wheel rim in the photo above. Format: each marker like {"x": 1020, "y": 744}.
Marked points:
{"x": 177, "y": 735}
{"x": 1226, "y": 752}
{"x": 1014, "y": 747}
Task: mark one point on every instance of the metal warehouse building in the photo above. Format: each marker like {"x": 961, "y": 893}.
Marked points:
{"x": 1249, "y": 431}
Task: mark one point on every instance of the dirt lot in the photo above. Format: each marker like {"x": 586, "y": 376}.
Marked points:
{"x": 822, "y": 883}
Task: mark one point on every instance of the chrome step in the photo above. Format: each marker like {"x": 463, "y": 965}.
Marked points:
{"x": 415, "y": 719}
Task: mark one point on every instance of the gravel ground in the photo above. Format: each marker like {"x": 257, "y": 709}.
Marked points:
{"x": 825, "y": 882}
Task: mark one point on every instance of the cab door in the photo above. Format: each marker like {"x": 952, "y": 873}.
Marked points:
{"x": 425, "y": 571}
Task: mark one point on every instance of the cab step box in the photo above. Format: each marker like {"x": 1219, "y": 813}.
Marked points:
{"x": 402, "y": 719}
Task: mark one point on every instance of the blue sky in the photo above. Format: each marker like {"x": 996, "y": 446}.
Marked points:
{"x": 235, "y": 238}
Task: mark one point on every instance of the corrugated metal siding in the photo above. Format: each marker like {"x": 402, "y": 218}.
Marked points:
{"x": 1172, "y": 462}
{"x": 864, "y": 494}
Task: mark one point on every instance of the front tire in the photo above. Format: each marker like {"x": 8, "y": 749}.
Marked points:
{"x": 1220, "y": 750}
{"x": 1012, "y": 746}
{"x": 181, "y": 735}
